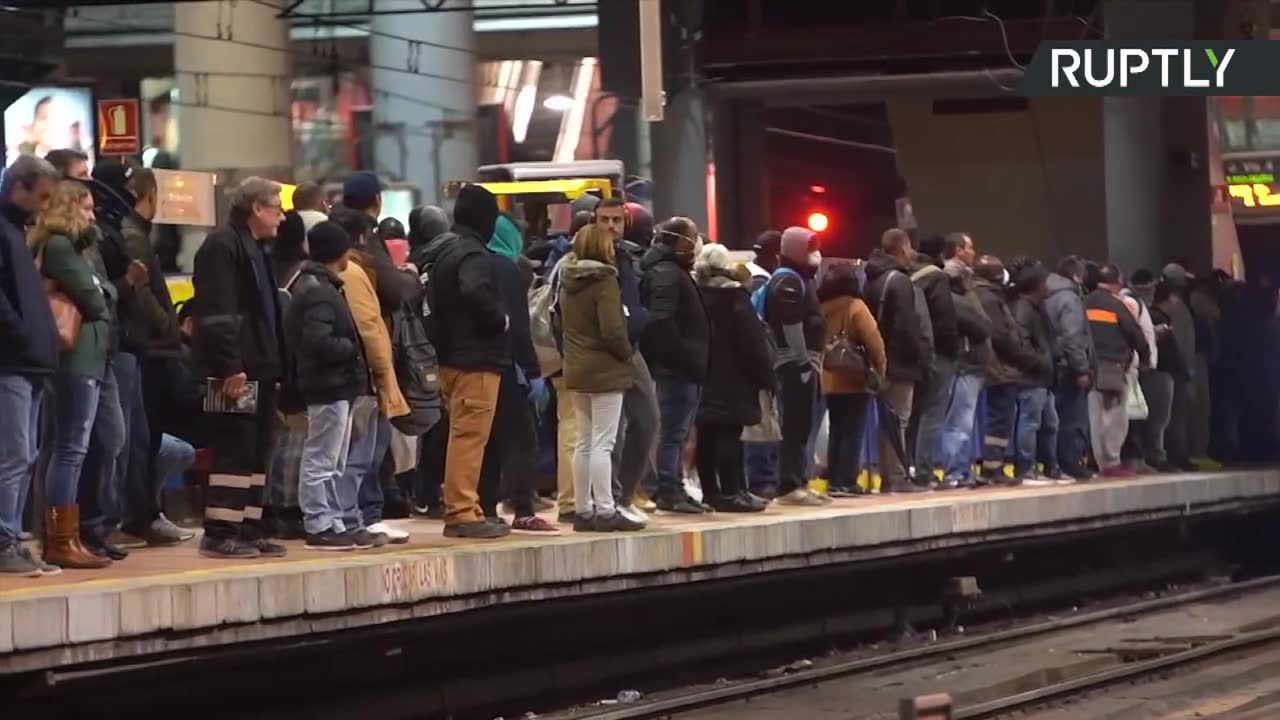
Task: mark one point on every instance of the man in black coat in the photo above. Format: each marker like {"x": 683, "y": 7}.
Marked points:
{"x": 1037, "y": 433}
{"x": 891, "y": 296}
{"x": 28, "y": 352}
{"x": 468, "y": 323}
{"x": 239, "y": 341}
{"x": 799, "y": 330}
{"x": 933, "y": 393}
{"x": 676, "y": 345}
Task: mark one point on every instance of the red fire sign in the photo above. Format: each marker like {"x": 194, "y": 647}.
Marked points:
{"x": 119, "y": 129}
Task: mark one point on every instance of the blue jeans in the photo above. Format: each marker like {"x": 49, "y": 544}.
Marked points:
{"x": 360, "y": 459}
{"x": 324, "y": 462}
{"x": 955, "y": 454}
{"x": 75, "y": 407}
{"x": 1072, "y": 406}
{"x": 762, "y": 466}
{"x": 677, "y": 406}
{"x": 1037, "y": 428}
{"x": 100, "y": 494}
{"x": 370, "y": 492}
{"x": 174, "y": 457}
{"x": 20, "y": 406}
{"x": 933, "y": 405}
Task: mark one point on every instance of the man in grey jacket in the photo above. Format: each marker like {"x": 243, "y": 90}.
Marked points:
{"x": 1073, "y": 364}
{"x": 956, "y": 455}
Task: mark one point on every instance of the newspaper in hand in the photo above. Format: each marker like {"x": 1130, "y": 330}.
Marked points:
{"x": 216, "y": 401}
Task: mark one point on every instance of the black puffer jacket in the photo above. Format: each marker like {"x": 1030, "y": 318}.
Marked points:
{"x": 330, "y": 364}
{"x": 905, "y": 344}
{"x": 1034, "y": 330}
{"x": 1010, "y": 357}
{"x": 469, "y": 319}
{"x": 676, "y": 342}
{"x": 936, "y": 286}
{"x": 739, "y": 352}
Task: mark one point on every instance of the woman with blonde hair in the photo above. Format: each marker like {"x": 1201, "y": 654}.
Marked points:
{"x": 597, "y": 372}
{"x": 63, "y": 236}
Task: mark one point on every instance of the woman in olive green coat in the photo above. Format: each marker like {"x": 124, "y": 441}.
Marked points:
{"x": 597, "y": 371}
{"x": 63, "y": 233}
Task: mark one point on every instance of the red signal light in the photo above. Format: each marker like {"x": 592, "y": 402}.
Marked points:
{"x": 817, "y": 189}
{"x": 818, "y": 222}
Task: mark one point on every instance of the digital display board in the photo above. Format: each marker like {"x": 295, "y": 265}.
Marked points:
{"x": 49, "y": 118}
{"x": 1251, "y": 183}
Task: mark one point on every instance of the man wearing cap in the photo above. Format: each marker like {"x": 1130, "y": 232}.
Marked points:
{"x": 362, "y": 192}
{"x": 1182, "y": 420}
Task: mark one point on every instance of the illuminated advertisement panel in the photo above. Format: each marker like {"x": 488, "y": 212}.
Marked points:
{"x": 49, "y": 118}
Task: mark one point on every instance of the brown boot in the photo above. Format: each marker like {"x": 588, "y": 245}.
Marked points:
{"x": 62, "y": 544}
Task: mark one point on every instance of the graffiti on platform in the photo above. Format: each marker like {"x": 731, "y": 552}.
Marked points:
{"x": 416, "y": 578}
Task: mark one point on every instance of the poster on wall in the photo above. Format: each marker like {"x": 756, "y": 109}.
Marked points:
{"x": 49, "y": 118}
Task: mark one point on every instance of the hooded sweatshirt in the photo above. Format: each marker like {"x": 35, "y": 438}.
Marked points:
{"x": 505, "y": 245}
{"x": 971, "y": 320}
{"x": 597, "y": 352}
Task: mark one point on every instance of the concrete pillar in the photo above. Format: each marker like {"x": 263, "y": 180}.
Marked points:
{"x": 679, "y": 152}
{"x": 233, "y": 70}
{"x": 424, "y": 95}
{"x": 740, "y": 150}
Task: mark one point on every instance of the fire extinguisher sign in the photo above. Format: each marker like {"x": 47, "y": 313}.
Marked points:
{"x": 119, "y": 129}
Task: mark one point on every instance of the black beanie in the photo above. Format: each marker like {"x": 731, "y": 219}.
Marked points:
{"x": 328, "y": 241}
{"x": 476, "y": 209}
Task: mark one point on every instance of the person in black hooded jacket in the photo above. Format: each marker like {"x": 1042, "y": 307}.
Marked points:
{"x": 891, "y": 296}
{"x": 740, "y": 353}
{"x": 675, "y": 345}
{"x": 933, "y": 393}
{"x": 468, "y": 325}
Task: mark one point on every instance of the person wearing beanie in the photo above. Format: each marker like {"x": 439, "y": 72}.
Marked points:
{"x": 739, "y": 351}
{"x": 468, "y": 323}
{"x": 289, "y": 249}
{"x": 329, "y": 373}
{"x": 955, "y": 456}
{"x": 639, "y": 226}
{"x": 1010, "y": 358}
{"x": 902, "y": 313}
{"x": 767, "y": 247}
{"x": 1037, "y": 423}
{"x": 798, "y": 328}
{"x": 371, "y": 416}
{"x": 1117, "y": 336}
{"x": 426, "y": 222}
{"x": 395, "y": 284}
{"x": 675, "y": 346}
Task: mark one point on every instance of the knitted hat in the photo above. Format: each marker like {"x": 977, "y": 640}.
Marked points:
{"x": 797, "y": 244}
{"x": 328, "y": 242}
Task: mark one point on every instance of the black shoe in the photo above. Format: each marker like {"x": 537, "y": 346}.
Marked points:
{"x": 736, "y": 504}
{"x": 680, "y": 504}
{"x": 100, "y": 547}
{"x": 268, "y": 549}
{"x": 1053, "y": 473}
{"x": 476, "y": 530}
{"x": 431, "y": 512}
{"x": 362, "y": 539}
{"x": 1079, "y": 472}
{"x": 495, "y": 520}
{"x": 566, "y": 518}
{"x": 841, "y": 493}
{"x": 1166, "y": 467}
{"x": 227, "y": 548}
{"x": 584, "y": 523}
{"x": 1184, "y": 465}
{"x": 616, "y": 522}
{"x": 329, "y": 540}
{"x": 905, "y": 487}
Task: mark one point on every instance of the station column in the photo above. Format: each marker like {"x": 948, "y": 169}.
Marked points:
{"x": 425, "y": 93}
{"x": 233, "y": 69}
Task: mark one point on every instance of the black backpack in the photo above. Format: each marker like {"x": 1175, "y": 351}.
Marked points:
{"x": 417, "y": 370}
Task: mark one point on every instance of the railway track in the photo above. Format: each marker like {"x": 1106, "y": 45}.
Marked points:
{"x": 1156, "y": 657}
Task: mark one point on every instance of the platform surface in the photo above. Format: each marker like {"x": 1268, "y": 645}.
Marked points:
{"x": 170, "y": 599}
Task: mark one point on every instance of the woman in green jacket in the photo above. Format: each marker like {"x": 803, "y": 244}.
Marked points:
{"x": 597, "y": 371}
{"x": 63, "y": 233}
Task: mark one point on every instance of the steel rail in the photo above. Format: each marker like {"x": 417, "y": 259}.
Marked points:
{"x": 751, "y": 688}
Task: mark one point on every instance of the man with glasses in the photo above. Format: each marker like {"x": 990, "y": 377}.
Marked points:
{"x": 239, "y": 346}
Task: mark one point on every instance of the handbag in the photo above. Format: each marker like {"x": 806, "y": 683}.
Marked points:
{"x": 841, "y": 357}
{"x": 1111, "y": 377}
{"x": 66, "y": 316}
{"x": 1135, "y": 402}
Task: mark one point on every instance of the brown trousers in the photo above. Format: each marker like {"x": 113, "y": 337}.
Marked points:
{"x": 472, "y": 397}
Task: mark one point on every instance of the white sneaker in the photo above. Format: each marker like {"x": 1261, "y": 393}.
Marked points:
{"x": 394, "y": 536}
{"x": 1038, "y": 481}
{"x": 633, "y": 513}
{"x": 1065, "y": 481}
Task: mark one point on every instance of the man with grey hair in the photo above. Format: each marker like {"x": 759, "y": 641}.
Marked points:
{"x": 239, "y": 346}
{"x": 28, "y": 351}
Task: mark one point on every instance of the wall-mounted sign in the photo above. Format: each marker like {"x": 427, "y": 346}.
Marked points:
{"x": 1251, "y": 182}
{"x": 185, "y": 198}
{"x": 119, "y": 127}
